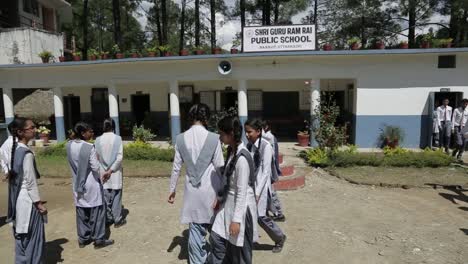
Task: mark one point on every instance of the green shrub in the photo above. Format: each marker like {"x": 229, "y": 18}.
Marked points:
{"x": 140, "y": 133}
{"x": 144, "y": 151}
{"x": 389, "y": 151}
{"x": 348, "y": 159}
{"x": 317, "y": 157}
{"x": 54, "y": 150}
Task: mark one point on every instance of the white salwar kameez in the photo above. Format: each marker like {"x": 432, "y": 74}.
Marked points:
{"x": 263, "y": 187}
{"x": 107, "y": 141}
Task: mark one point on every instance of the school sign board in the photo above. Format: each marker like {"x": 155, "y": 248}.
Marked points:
{"x": 279, "y": 38}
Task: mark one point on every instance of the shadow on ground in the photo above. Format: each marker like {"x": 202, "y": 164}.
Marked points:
{"x": 54, "y": 251}
{"x": 182, "y": 242}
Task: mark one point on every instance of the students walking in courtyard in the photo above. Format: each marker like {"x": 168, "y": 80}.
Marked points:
{"x": 201, "y": 152}
{"x": 25, "y": 209}
{"x": 109, "y": 150}
{"x": 263, "y": 156}
{"x": 87, "y": 188}
{"x": 445, "y": 124}
{"x": 460, "y": 116}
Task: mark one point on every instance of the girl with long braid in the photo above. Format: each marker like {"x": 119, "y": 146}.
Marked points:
{"x": 263, "y": 156}
{"x": 25, "y": 209}
{"x": 234, "y": 229}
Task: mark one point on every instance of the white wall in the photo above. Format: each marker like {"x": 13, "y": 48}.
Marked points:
{"x": 22, "y": 45}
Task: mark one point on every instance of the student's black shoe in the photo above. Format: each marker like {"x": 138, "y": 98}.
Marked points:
{"x": 454, "y": 153}
{"x": 84, "y": 244}
{"x": 279, "y": 246}
{"x": 120, "y": 223}
{"x": 279, "y": 218}
{"x": 104, "y": 243}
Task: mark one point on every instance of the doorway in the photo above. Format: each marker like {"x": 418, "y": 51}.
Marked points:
{"x": 454, "y": 98}
{"x": 99, "y": 108}
{"x": 228, "y": 99}
{"x": 140, "y": 107}
{"x": 72, "y": 111}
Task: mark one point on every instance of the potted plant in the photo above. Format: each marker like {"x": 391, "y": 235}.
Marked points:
{"x": 235, "y": 44}
{"x": 327, "y": 47}
{"x": 404, "y": 45}
{"x": 92, "y": 54}
{"x": 151, "y": 51}
{"x": 61, "y": 57}
{"x": 164, "y": 49}
{"x": 117, "y": 52}
{"x": 184, "y": 52}
{"x": 104, "y": 55}
{"x": 76, "y": 56}
{"x": 134, "y": 53}
{"x": 391, "y": 136}
{"x": 444, "y": 43}
{"x": 426, "y": 41}
{"x": 44, "y": 134}
{"x": 217, "y": 50}
{"x": 379, "y": 44}
{"x": 45, "y": 56}
{"x": 198, "y": 50}
{"x": 354, "y": 43}
{"x": 303, "y": 136}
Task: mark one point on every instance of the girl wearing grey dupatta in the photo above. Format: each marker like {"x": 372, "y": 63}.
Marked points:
{"x": 87, "y": 188}
{"x": 109, "y": 151}
{"x": 200, "y": 150}
{"x": 25, "y": 209}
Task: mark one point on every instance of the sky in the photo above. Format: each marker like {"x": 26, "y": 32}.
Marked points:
{"x": 227, "y": 29}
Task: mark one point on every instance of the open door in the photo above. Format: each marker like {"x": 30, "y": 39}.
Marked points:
{"x": 431, "y": 107}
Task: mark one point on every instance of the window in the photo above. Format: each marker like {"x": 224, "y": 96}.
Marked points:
{"x": 31, "y": 6}
{"x": 447, "y": 62}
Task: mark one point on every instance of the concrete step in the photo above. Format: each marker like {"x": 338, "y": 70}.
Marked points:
{"x": 291, "y": 182}
{"x": 287, "y": 170}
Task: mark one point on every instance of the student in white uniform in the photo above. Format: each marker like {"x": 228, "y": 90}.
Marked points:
{"x": 109, "y": 150}
{"x": 263, "y": 155}
{"x": 234, "y": 229}
{"x": 445, "y": 124}
{"x": 87, "y": 188}
{"x": 275, "y": 205}
{"x": 25, "y": 209}
{"x": 201, "y": 152}
{"x": 460, "y": 116}
{"x": 5, "y": 152}
{"x": 435, "y": 127}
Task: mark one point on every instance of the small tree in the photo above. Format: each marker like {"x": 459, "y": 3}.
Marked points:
{"x": 140, "y": 134}
{"x": 213, "y": 122}
{"x": 329, "y": 135}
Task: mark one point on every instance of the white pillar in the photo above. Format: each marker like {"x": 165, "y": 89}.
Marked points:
{"x": 314, "y": 107}
{"x": 242, "y": 104}
{"x": 59, "y": 118}
{"x": 114, "y": 106}
{"x": 175, "y": 109}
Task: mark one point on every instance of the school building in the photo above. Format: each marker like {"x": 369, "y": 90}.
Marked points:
{"x": 374, "y": 88}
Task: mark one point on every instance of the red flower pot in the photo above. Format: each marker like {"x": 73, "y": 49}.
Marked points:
{"x": 151, "y": 54}
{"x": 234, "y": 51}
{"x": 92, "y": 57}
{"x": 379, "y": 45}
{"x": 167, "y": 54}
{"x": 199, "y": 52}
{"x": 327, "y": 47}
{"x": 184, "y": 52}
{"x": 44, "y": 138}
{"x": 448, "y": 45}
{"x": 392, "y": 143}
{"x": 76, "y": 58}
{"x": 425, "y": 45}
{"x": 61, "y": 58}
{"x": 134, "y": 55}
{"x": 104, "y": 56}
{"x": 404, "y": 46}
{"x": 216, "y": 51}
{"x": 119, "y": 56}
{"x": 354, "y": 46}
{"x": 303, "y": 140}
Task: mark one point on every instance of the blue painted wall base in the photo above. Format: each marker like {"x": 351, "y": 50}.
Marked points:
{"x": 117, "y": 124}
{"x": 175, "y": 128}
{"x": 242, "y": 119}
{"x": 60, "y": 128}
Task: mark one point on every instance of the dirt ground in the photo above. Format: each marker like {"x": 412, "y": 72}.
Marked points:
{"x": 328, "y": 221}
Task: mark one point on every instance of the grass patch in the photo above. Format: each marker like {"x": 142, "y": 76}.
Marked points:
{"x": 57, "y": 166}
{"x": 408, "y": 176}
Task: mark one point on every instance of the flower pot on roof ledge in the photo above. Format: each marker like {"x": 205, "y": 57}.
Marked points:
{"x": 92, "y": 57}
{"x": 62, "y": 58}
{"x": 425, "y": 45}
{"x": 354, "y": 46}
{"x": 404, "y": 45}
{"x": 446, "y": 45}
{"x": 199, "y": 52}
{"x": 217, "y": 51}
{"x": 45, "y": 59}
{"x": 134, "y": 55}
{"x": 167, "y": 54}
{"x": 327, "y": 47}
{"x": 119, "y": 56}
{"x": 234, "y": 51}
{"x": 184, "y": 52}
{"x": 76, "y": 58}
{"x": 380, "y": 45}
{"x": 151, "y": 54}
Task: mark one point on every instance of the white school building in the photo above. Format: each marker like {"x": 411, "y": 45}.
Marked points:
{"x": 374, "y": 88}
